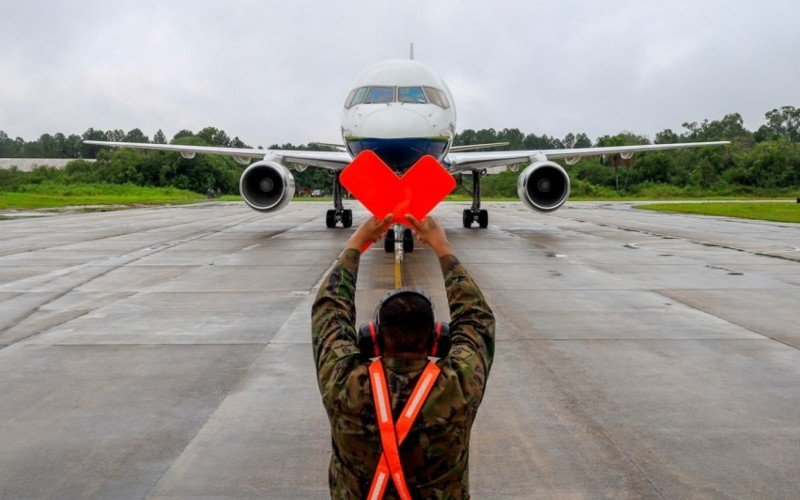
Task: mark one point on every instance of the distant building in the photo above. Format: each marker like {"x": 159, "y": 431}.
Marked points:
{"x": 28, "y": 164}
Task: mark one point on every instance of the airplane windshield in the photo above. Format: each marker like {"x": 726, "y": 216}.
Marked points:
{"x": 411, "y": 95}
{"x": 437, "y": 97}
{"x": 379, "y": 95}
{"x": 356, "y": 96}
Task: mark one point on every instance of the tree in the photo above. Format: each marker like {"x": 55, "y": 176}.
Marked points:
{"x": 731, "y": 126}
{"x": 512, "y": 136}
{"x": 136, "y": 135}
{"x": 117, "y": 135}
{"x": 181, "y": 134}
{"x": 87, "y": 150}
{"x": 159, "y": 137}
{"x": 582, "y": 141}
{"x": 782, "y": 123}
{"x": 214, "y": 136}
{"x": 667, "y": 136}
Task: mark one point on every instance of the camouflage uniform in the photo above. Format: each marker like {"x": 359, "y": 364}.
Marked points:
{"x": 435, "y": 454}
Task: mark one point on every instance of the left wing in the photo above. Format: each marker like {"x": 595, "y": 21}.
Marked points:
{"x": 458, "y": 161}
{"x": 333, "y": 160}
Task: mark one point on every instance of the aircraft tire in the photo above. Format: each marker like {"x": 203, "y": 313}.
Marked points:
{"x": 483, "y": 218}
{"x": 347, "y": 218}
{"x": 467, "y": 218}
{"x": 330, "y": 218}
{"x": 408, "y": 241}
{"x": 388, "y": 241}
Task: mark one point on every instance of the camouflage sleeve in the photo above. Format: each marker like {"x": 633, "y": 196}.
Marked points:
{"x": 333, "y": 315}
{"x": 471, "y": 329}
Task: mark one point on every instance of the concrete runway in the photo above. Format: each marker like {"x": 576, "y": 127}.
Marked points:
{"x": 164, "y": 352}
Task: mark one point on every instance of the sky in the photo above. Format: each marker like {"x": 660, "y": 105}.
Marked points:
{"x": 279, "y": 71}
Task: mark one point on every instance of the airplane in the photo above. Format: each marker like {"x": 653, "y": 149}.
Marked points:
{"x": 402, "y": 110}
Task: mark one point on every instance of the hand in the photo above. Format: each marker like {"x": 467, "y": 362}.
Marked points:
{"x": 431, "y": 232}
{"x": 370, "y": 231}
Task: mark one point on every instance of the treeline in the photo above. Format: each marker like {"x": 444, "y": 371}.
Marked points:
{"x": 138, "y": 167}
{"x": 767, "y": 159}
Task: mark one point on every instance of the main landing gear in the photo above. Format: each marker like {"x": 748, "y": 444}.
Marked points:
{"x": 475, "y": 213}
{"x": 401, "y": 234}
{"x": 339, "y": 213}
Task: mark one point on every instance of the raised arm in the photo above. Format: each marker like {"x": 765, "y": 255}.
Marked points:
{"x": 333, "y": 314}
{"x": 471, "y": 318}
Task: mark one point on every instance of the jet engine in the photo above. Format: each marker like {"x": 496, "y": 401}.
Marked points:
{"x": 266, "y": 186}
{"x": 543, "y": 186}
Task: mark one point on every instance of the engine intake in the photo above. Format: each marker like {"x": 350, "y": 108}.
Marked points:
{"x": 266, "y": 186}
{"x": 543, "y": 186}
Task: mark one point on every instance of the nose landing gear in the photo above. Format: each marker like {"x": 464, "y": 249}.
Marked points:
{"x": 399, "y": 234}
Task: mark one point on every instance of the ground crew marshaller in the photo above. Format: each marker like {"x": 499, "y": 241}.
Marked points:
{"x": 428, "y": 431}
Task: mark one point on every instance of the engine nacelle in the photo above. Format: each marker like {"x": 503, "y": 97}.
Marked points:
{"x": 543, "y": 186}
{"x": 266, "y": 186}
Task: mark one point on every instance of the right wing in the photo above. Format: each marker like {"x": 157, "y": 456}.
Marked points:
{"x": 477, "y": 160}
{"x": 332, "y": 160}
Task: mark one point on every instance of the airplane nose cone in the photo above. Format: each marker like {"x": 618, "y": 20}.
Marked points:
{"x": 394, "y": 122}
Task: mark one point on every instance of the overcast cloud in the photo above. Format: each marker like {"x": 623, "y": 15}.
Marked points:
{"x": 279, "y": 71}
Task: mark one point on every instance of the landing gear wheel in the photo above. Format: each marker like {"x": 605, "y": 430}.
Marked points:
{"x": 330, "y": 218}
{"x": 347, "y": 218}
{"x": 467, "y": 218}
{"x": 388, "y": 241}
{"x": 483, "y": 218}
{"x": 408, "y": 241}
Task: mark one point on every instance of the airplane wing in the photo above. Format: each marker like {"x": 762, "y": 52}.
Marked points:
{"x": 477, "y": 160}
{"x": 333, "y": 160}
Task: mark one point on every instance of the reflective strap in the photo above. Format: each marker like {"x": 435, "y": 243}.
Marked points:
{"x": 417, "y": 399}
{"x": 400, "y": 430}
{"x": 376, "y": 350}
{"x": 380, "y": 396}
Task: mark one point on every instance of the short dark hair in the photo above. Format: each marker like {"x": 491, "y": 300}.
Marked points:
{"x": 406, "y": 323}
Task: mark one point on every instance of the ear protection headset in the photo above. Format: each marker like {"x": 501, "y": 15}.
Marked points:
{"x": 370, "y": 341}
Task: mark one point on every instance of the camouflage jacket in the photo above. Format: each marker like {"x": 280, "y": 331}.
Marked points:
{"x": 435, "y": 454}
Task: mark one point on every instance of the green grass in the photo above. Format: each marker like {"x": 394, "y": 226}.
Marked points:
{"x": 54, "y": 195}
{"x": 776, "y": 211}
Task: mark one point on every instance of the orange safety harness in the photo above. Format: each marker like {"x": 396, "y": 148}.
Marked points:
{"x": 393, "y": 434}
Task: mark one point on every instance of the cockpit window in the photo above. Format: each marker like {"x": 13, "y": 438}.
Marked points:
{"x": 411, "y": 95}
{"x": 349, "y": 98}
{"x": 356, "y": 97}
{"x": 379, "y": 95}
{"x": 443, "y": 97}
{"x": 437, "y": 97}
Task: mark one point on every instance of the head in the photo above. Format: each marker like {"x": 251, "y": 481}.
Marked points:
{"x": 406, "y": 322}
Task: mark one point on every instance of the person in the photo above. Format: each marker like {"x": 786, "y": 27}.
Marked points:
{"x": 435, "y": 454}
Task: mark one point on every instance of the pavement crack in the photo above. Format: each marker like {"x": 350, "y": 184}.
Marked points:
{"x": 696, "y": 308}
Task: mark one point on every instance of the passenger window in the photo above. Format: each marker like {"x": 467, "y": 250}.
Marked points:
{"x": 377, "y": 95}
{"x": 357, "y": 97}
{"x": 434, "y": 96}
{"x": 411, "y": 95}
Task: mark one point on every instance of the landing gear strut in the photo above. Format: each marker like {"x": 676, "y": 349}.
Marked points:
{"x": 399, "y": 234}
{"x": 339, "y": 213}
{"x": 475, "y": 213}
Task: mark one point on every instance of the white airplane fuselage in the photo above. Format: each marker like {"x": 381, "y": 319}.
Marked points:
{"x": 401, "y": 110}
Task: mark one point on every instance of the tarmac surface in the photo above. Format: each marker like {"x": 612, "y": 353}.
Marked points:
{"x": 165, "y": 352}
